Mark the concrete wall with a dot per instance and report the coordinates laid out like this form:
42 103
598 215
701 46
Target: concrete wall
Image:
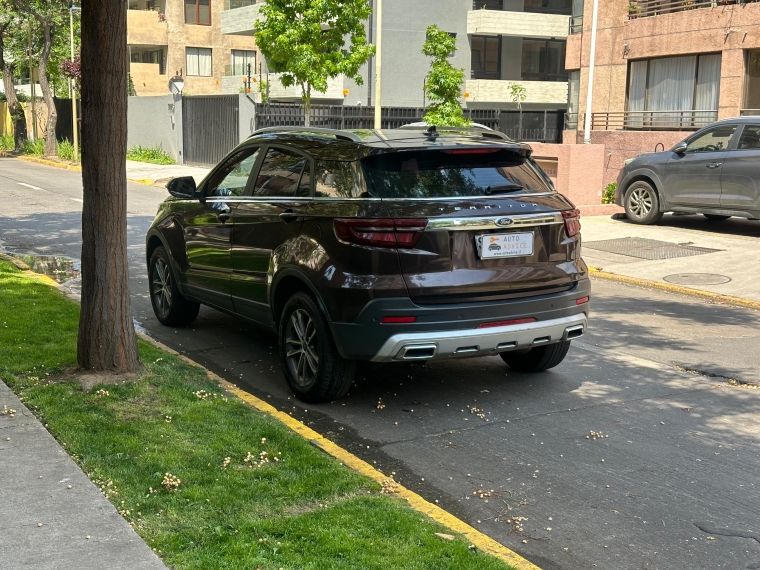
155 121
247 108
519 24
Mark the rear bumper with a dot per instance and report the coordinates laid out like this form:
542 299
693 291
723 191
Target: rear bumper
449 331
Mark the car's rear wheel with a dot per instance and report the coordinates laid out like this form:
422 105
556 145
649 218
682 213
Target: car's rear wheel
538 358
641 203
170 307
313 368
715 217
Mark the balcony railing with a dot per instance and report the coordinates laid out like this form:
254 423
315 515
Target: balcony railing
576 24
687 120
232 4
749 112
646 8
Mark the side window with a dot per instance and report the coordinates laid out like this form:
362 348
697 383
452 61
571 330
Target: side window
281 175
750 139
232 178
336 179
712 140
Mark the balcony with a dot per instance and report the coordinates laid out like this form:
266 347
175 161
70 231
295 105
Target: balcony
293 93
749 112
239 17
519 24
685 120
647 8
146 27
498 91
147 79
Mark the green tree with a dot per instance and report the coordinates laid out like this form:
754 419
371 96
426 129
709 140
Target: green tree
443 85
12 44
310 41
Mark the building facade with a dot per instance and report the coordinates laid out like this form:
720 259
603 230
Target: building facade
664 68
499 43
183 37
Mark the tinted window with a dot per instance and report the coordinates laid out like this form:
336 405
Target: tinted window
336 179
432 174
280 174
750 139
712 140
232 178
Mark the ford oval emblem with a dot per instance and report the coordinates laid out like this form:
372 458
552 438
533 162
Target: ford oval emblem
505 222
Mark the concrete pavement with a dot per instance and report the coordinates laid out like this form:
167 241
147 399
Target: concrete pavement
153 172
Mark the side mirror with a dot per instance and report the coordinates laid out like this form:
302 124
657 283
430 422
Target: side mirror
680 148
182 187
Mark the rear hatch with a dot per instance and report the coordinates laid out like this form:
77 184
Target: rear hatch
494 225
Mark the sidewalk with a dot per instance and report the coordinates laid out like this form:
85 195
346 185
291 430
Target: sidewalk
80 529
732 270
152 172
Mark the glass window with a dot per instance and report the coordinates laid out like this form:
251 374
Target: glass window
280 174
198 61
549 6
335 179
486 5
712 140
434 174
750 139
752 83
544 60
232 178
240 59
198 12
486 57
573 97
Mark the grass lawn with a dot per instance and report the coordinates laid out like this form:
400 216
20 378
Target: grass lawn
252 494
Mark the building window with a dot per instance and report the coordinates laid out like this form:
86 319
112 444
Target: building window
573 98
486 4
576 18
543 60
549 6
198 61
156 56
673 92
486 57
198 12
240 60
752 83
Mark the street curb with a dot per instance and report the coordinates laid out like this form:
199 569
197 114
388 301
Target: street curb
439 515
707 295
55 164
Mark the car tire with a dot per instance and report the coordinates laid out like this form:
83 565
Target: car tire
170 307
538 358
313 368
642 205
715 217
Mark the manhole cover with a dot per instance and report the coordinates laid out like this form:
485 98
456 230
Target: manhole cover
697 279
651 249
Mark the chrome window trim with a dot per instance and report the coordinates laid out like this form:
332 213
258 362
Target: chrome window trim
256 199
489 222
494 197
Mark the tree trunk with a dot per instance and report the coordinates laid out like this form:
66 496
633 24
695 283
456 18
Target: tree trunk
15 109
306 91
51 145
106 332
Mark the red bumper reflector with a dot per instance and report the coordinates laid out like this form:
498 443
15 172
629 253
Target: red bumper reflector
397 320
507 323
581 300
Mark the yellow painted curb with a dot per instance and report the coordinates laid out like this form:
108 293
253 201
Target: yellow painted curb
477 538
27 272
55 164
670 288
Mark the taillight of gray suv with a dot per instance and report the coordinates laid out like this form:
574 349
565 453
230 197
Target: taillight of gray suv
382 246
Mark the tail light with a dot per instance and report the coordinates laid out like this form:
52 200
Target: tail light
572 222
382 232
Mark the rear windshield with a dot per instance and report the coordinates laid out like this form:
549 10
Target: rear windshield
451 173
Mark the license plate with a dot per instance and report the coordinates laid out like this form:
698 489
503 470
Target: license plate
505 245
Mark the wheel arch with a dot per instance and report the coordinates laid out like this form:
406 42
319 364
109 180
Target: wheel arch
288 282
643 176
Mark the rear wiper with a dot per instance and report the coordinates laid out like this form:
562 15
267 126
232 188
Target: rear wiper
503 188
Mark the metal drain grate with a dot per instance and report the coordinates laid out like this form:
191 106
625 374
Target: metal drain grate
647 248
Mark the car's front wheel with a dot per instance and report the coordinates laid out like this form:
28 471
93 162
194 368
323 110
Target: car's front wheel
313 368
538 358
170 307
642 206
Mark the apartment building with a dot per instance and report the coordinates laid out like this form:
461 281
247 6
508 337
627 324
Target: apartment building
168 37
500 42
664 68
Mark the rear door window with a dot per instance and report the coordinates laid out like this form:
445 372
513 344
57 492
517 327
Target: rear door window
336 179
453 173
750 139
282 174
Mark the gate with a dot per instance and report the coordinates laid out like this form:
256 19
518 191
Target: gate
537 126
210 127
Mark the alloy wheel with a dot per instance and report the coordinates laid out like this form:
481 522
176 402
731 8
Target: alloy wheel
640 202
162 286
302 348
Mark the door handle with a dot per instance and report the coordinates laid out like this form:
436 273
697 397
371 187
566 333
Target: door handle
713 164
223 216
289 216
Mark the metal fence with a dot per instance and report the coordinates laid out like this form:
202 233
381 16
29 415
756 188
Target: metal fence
680 120
210 127
646 8
538 126
64 126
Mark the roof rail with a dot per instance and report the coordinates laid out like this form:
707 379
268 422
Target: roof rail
489 133
337 133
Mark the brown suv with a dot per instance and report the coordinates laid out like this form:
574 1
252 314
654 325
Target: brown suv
397 245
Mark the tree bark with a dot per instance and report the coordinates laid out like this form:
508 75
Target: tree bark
15 109
106 331
51 145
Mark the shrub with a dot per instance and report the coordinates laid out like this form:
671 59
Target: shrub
7 142
608 196
154 155
65 150
36 147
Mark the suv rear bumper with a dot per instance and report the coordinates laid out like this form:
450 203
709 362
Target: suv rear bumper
448 331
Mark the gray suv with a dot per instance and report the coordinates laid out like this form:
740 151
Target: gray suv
714 172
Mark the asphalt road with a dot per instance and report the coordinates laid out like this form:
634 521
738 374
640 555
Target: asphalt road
672 483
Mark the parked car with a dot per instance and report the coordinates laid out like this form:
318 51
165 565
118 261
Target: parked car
368 246
714 172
